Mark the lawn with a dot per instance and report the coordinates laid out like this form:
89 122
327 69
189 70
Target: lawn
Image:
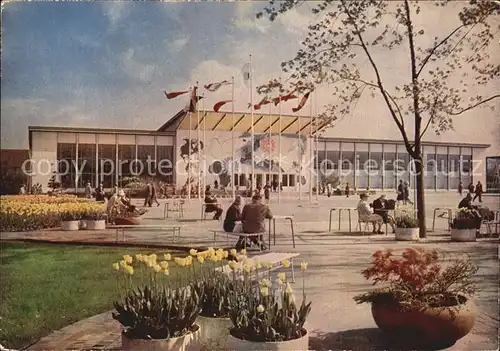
46 287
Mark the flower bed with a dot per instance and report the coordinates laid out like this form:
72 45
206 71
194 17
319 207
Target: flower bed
32 212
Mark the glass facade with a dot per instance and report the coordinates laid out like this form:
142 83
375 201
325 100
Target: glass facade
107 163
493 174
382 165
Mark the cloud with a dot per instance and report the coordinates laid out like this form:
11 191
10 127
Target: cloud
115 11
135 69
178 44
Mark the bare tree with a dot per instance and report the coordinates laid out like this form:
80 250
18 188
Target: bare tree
441 77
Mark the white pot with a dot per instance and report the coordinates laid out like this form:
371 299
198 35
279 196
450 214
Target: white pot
407 234
290 345
463 234
214 332
96 225
182 343
70 225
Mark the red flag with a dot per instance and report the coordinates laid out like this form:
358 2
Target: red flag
218 105
286 97
174 94
302 102
264 101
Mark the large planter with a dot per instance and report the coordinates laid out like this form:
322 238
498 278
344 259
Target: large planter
214 332
182 343
127 220
70 225
407 234
428 328
463 234
290 345
96 225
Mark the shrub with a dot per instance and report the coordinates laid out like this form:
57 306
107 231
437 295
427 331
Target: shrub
418 280
466 219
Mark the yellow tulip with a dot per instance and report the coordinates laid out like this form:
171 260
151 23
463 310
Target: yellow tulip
303 266
193 252
127 259
233 252
139 257
225 254
265 283
167 257
279 282
116 266
164 264
123 264
282 276
129 270
286 263
264 291
157 268
260 309
243 251
166 272
247 268
201 259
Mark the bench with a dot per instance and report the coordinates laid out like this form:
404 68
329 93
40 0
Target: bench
234 234
166 228
177 206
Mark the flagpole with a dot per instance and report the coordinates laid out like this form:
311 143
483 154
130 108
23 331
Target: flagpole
300 152
232 142
252 186
311 145
204 145
270 155
279 148
198 143
316 147
189 147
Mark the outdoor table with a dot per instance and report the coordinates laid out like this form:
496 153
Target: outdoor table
340 209
273 221
450 215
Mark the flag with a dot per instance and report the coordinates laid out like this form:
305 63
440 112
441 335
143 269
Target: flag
218 105
246 71
191 105
264 101
302 102
174 94
286 97
215 86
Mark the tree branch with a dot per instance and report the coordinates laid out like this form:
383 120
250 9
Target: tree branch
431 118
473 106
426 59
377 73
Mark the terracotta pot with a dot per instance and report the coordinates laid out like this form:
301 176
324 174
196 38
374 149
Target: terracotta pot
70 225
463 234
301 343
127 220
430 327
407 234
96 225
182 343
214 332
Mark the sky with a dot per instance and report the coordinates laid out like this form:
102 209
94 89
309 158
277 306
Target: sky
105 64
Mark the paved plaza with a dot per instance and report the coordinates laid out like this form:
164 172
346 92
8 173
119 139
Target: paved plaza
333 278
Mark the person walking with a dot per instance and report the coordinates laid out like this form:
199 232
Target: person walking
479 192
99 193
148 196
347 190
267 191
406 193
400 191
88 191
460 188
471 188
153 195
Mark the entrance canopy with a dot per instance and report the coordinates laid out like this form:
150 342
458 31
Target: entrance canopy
263 123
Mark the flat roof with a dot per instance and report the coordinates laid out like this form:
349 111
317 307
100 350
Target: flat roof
97 130
222 121
400 142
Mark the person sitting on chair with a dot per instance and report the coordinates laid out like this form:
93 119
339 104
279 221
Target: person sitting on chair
365 214
380 207
252 218
211 205
233 215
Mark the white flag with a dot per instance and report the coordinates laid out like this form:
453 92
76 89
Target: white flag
246 71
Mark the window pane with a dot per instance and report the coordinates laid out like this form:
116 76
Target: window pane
430 167
107 167
493 174
165 164
361 165
389 162
442 167
402 166
374 166
86 165
66 160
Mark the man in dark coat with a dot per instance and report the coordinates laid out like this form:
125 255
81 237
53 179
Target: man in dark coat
479 192
380 208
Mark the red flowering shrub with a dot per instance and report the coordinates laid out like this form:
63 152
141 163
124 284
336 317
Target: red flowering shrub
419 279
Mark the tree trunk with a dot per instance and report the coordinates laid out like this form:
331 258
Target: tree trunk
419 165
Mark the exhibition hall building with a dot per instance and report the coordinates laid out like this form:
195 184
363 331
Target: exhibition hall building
233 149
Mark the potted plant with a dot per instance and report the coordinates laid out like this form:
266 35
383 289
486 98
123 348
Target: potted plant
214 287
406 226
96 219
156 313
70 219
266 316
424 304
465 225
